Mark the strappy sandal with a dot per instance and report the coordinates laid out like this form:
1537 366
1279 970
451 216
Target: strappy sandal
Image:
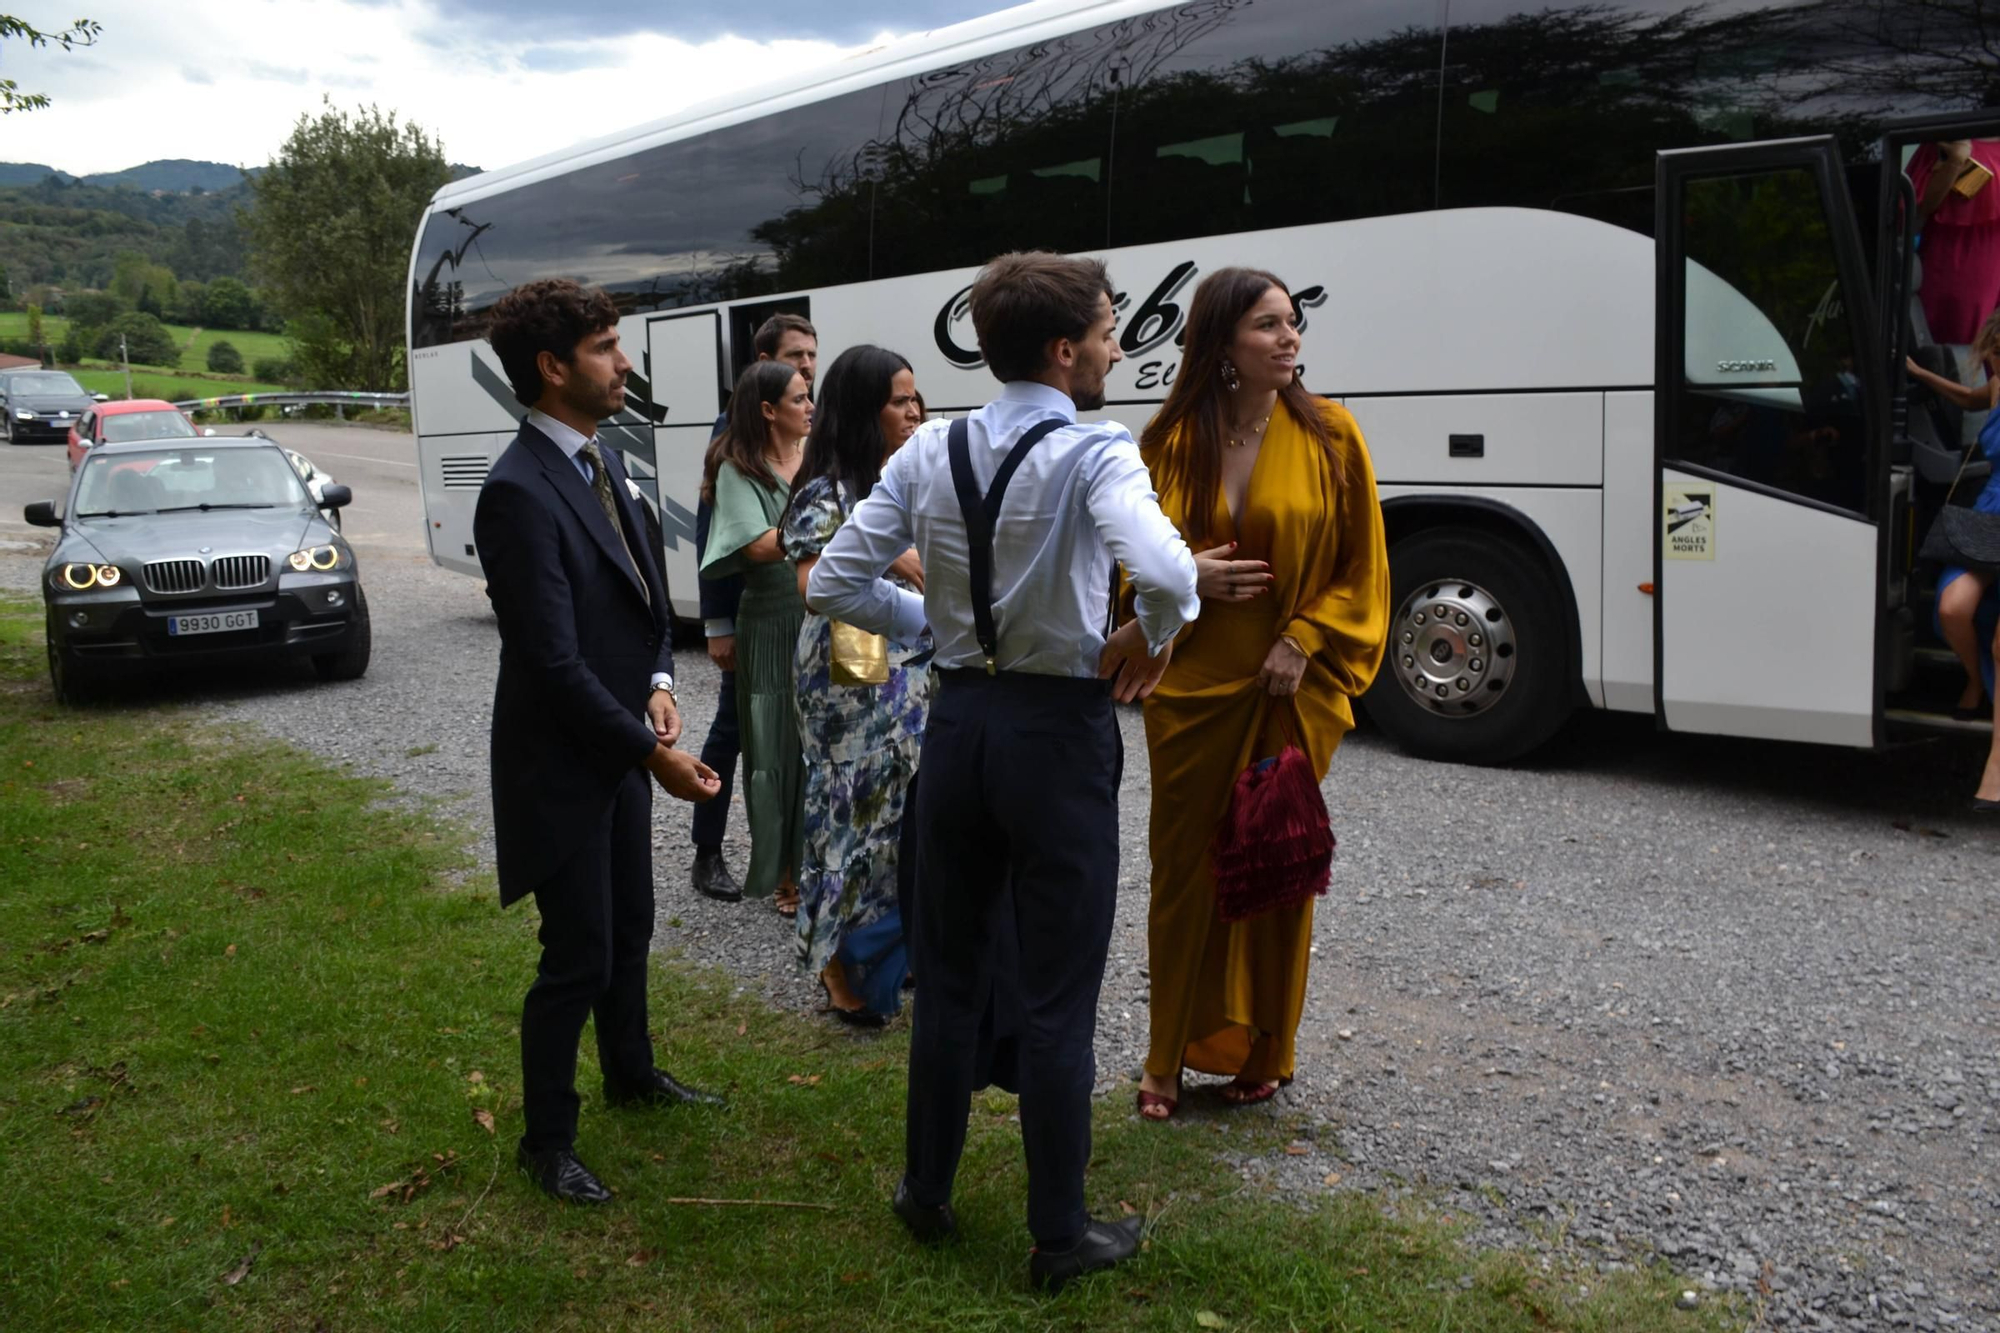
1239 1093
786 901
1149 1100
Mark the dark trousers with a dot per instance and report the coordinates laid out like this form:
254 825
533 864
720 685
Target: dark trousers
597 925
1020 793
719 751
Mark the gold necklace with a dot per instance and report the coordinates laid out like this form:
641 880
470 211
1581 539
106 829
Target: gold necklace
1235 443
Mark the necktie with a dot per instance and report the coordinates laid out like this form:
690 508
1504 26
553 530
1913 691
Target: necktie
600 482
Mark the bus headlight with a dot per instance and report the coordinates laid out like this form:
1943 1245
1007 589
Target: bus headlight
320 559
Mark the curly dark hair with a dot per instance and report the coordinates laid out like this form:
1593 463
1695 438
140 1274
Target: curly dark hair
548 315
1021 302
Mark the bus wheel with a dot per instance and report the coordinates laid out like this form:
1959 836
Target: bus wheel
1477 669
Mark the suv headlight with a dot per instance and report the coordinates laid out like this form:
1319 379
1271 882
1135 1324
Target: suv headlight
320 559
78 577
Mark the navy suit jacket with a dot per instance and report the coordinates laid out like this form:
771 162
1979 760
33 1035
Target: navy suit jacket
578 648
719 597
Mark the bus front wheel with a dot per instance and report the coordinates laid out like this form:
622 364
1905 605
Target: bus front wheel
1477 669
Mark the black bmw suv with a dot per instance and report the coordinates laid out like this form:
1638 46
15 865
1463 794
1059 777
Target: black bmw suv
194 551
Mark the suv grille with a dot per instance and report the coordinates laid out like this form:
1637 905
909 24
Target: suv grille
233 572
175 576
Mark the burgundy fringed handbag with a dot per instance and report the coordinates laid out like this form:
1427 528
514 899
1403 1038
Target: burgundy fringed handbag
1275 845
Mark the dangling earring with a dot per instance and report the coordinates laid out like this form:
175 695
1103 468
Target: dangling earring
1230 379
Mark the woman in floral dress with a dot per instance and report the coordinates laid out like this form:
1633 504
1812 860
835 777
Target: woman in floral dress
860 741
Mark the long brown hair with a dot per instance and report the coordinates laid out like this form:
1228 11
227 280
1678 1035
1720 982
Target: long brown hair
747 435
1188 432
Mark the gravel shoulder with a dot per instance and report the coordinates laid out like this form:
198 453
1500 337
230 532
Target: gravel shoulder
1728 1004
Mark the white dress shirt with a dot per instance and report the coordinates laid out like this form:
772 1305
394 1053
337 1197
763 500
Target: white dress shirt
1080 500
571 444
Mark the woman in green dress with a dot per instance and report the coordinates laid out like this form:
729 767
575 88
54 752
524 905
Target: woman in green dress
748 479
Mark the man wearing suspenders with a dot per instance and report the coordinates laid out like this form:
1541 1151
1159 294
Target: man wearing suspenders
1021 515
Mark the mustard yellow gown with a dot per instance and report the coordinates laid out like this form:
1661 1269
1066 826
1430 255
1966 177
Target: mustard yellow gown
1226 998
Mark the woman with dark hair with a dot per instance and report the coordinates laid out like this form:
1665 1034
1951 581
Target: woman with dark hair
748 480
860 741
1273 487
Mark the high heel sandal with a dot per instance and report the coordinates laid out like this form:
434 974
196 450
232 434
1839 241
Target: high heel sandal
1149 1100
861 1016
1248 1094
785 902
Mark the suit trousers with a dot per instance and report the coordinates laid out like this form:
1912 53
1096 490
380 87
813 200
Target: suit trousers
719 751
1018 854
597 929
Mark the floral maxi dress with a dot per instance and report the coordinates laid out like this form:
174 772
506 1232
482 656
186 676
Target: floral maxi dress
861 745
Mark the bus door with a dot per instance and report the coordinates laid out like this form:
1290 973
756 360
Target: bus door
1769 475
683 369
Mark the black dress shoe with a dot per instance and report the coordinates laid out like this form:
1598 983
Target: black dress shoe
712 879
561 1176
930 1226
659 1088
1103 1244
1981 806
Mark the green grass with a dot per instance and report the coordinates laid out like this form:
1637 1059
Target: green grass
193 342
165 384
246 1009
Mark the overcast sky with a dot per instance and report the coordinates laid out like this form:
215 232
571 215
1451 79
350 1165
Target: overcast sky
497 80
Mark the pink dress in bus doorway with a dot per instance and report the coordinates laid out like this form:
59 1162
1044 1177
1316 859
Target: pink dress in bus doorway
1961 249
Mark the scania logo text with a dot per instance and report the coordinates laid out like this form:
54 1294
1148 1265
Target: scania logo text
1743 367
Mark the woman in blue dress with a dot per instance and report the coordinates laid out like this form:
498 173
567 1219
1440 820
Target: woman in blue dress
860 741
1961 592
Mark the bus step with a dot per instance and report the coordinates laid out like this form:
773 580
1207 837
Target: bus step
1919 719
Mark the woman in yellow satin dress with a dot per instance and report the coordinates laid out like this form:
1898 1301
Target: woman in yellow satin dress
1273 487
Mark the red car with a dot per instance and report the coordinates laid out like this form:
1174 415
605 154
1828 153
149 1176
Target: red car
125 421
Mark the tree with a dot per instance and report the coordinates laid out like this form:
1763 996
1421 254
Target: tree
35 325
94 310
190 303
147 341
144 284
271 370
227 304
224 359
83 32
330 237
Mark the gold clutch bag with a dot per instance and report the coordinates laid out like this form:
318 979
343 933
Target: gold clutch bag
859 658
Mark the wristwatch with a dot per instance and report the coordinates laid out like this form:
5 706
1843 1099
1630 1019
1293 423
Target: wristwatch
668 686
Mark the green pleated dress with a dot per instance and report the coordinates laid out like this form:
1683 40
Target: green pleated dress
771 773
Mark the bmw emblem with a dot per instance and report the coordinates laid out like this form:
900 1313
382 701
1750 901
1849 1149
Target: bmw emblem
206 549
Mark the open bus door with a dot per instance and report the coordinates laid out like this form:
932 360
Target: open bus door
1928 436
1770 477
684 373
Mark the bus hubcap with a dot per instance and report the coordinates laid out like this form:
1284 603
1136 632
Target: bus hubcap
1452 647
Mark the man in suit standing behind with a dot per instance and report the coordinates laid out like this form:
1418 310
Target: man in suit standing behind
793 340
583 710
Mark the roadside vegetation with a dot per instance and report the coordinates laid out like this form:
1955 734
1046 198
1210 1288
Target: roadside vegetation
259 1069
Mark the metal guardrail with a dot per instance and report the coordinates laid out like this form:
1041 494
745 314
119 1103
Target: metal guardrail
332 397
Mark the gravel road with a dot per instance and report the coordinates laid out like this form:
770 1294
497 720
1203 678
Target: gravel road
1725 1003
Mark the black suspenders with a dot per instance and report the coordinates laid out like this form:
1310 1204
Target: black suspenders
979 516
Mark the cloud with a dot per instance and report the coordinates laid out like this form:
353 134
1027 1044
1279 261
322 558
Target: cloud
700 21
497 84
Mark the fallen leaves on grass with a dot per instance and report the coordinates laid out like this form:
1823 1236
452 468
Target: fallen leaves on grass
804 1080
421 1177
242 1269
475 1077
483 1118
1210 1319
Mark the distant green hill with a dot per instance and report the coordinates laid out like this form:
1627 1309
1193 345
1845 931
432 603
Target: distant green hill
25 173
176 174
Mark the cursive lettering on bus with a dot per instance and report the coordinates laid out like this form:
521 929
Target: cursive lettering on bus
956 311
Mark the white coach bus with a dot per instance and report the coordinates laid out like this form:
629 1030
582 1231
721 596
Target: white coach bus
1619 291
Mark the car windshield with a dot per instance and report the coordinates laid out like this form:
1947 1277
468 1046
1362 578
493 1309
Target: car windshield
125 427
171 480
44 384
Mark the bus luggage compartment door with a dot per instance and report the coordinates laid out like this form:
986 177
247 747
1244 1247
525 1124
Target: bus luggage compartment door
1769 472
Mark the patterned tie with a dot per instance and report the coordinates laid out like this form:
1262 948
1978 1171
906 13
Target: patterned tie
600 481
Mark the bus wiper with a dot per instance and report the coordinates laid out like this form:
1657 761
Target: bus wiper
204 507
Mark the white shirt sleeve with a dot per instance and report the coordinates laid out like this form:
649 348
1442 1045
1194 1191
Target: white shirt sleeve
1126 510
847 584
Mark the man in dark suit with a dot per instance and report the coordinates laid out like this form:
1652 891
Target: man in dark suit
584 709
793 340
